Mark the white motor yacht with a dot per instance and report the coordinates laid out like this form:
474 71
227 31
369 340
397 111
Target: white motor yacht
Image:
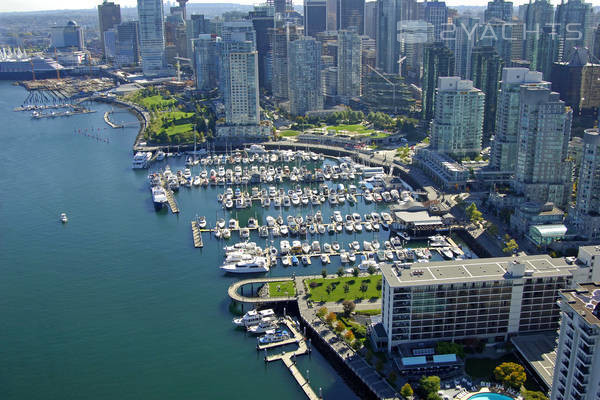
253 317
255 265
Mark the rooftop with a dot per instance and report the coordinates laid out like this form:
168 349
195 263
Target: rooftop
483 269
585 301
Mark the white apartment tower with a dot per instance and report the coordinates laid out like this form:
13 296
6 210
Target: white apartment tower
543 173
457 124
239 74
587 206
577 367
504 148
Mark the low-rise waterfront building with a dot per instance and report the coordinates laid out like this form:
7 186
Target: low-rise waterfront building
489 298
530 213
442 169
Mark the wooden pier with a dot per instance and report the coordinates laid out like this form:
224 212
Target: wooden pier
172 202
198 243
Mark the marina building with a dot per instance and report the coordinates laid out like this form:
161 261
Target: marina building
152 36
491 298
504 147
458 118
543 172
305 76
577 366
587 207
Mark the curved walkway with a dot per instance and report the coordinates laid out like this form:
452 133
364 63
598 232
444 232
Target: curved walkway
234 295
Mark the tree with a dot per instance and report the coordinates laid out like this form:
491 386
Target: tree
510 374
433 396
355 272
511 246
429 384
322 312
473 213
324 273
340 272
349 307
346 288
371 270
331 317
339 327
533 395
450 348
407 391
364 287
349 336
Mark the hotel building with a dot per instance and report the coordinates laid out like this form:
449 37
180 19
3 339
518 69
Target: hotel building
490 298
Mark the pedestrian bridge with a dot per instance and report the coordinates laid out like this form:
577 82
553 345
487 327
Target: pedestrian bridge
234 288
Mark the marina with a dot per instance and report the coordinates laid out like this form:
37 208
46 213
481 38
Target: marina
140 302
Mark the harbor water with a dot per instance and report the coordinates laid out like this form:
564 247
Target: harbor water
117 303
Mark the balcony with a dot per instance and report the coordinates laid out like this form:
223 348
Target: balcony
585 360
580 379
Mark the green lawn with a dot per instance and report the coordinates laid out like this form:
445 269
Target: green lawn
157 101
289 133
183 128
337 292
282 289
355 128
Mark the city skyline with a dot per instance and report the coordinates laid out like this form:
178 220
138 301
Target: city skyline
40 5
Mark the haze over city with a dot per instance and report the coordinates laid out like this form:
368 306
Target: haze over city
41 5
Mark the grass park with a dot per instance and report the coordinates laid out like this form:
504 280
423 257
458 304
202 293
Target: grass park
282 289
344 288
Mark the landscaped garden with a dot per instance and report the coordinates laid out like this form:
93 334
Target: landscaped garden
173 121
344 288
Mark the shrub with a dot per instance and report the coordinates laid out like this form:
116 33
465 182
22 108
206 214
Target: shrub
322 312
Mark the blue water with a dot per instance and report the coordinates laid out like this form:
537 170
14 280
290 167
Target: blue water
116 303
490 396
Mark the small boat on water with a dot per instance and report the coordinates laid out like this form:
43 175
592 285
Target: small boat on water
63 218
159 197
266 324
254 265
306 260
273 336
202 222
325 259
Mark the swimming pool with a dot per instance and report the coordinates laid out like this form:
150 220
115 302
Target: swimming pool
489 396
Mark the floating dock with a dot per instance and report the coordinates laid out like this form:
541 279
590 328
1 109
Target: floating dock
288 358
198 243
171 200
